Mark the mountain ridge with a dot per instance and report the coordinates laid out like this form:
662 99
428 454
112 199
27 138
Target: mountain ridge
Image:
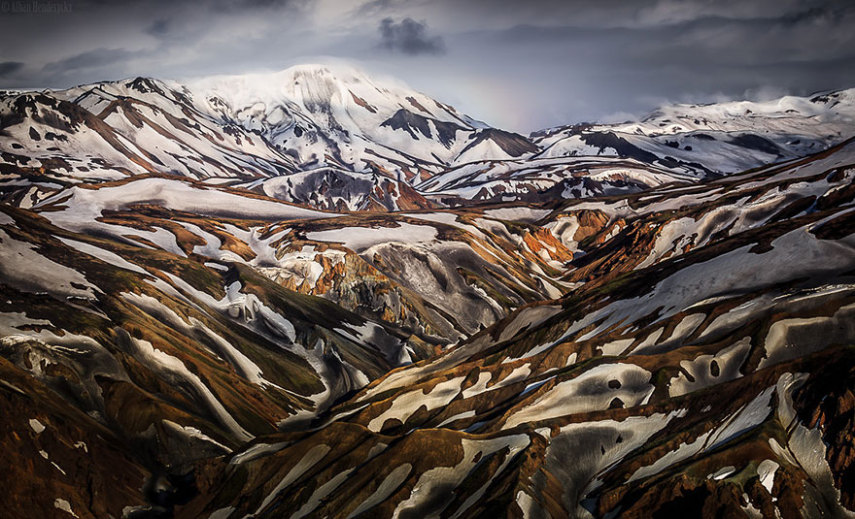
334 129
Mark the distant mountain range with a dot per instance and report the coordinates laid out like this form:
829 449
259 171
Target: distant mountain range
333 138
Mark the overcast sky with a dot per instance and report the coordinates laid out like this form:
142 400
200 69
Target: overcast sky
517 64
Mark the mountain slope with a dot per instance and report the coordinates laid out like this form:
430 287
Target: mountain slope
153 350
685 373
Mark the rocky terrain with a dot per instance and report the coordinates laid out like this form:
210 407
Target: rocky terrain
314 295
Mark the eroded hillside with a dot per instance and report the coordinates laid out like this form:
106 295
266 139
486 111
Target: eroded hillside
313 295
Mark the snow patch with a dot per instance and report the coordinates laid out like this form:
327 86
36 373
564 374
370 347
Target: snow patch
359 239
65 506
36 426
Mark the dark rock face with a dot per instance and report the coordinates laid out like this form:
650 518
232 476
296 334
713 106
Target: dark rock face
755 142
414 124
619 144
513 144
827 402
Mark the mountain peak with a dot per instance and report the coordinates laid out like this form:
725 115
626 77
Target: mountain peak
313 79
337 71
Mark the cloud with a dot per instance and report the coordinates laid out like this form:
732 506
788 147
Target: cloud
158 28
409 37
374 7
388 8
7 68
670 12
814 15
89 60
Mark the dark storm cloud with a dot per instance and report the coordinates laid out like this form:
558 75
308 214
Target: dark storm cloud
409 36
158 28
8 68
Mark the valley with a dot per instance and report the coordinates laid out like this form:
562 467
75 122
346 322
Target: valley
315 294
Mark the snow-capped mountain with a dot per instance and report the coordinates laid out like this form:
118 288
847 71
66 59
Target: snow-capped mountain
717 138
339 116
337 128
334 138
675 144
